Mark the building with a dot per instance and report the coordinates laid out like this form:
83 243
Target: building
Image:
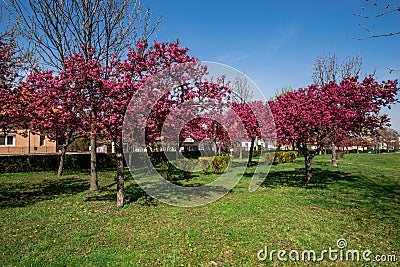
23 142
269 145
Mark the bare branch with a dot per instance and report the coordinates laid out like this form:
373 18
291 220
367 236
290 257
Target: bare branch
327 69
373 35
393 70
242 89
387 11
397 9
56 29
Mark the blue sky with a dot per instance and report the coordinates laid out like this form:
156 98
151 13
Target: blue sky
276 43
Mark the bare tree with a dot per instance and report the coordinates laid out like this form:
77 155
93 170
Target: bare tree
242 89
15 61
389 138
243 95
351 67
9 34
56 29
328 69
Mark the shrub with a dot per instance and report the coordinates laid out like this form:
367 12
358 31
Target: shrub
186 166
215 165
269 157
157 158
191 154
285 156
166 169
220 163
205 164
256 153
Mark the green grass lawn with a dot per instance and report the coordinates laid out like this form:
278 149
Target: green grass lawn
47 221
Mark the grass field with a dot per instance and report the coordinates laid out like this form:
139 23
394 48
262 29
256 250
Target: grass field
47 221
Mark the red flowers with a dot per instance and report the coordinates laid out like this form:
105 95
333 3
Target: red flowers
323 115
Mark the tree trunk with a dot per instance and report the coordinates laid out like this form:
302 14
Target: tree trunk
120 173
240 151
250 161
334 162
62 158
177 151
149 162
93 162
68 141
308 162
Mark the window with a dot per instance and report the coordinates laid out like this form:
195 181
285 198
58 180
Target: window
61 141
42 138
7 140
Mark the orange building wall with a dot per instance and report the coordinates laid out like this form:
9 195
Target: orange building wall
21 145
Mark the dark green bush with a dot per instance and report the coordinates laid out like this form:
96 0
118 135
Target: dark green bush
49 162
157 158
191 154
26 163
256 153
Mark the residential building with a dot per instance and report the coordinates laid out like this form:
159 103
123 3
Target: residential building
25 142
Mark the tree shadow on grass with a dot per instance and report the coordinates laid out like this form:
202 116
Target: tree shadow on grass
378 198
297 178
27 193
133 193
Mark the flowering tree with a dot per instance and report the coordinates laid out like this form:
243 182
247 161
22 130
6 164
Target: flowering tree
126 81
8 75
52 109
84 76
255 122
88 30
354 141
327 69
313 116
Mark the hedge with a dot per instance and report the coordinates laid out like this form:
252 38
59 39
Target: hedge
49 162
208 165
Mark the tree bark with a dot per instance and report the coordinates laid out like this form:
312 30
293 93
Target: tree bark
308 156
68 141
177 152
120 173
334 162
93 162
62 159
149 162
308 164
309 169
250 161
